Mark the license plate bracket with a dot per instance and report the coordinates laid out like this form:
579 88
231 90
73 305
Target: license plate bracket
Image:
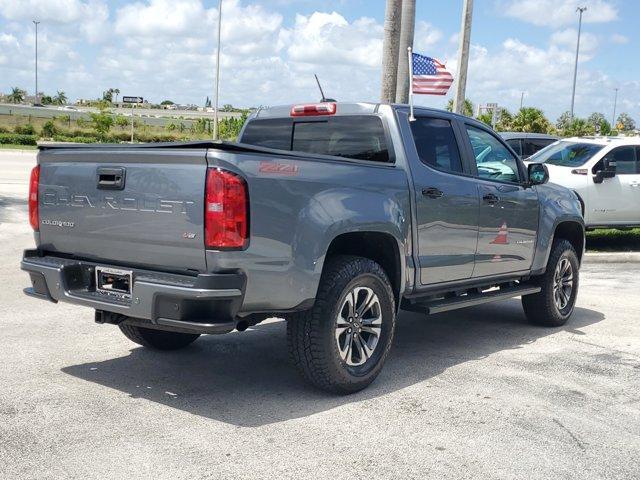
114 281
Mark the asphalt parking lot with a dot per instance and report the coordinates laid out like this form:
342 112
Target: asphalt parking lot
475 393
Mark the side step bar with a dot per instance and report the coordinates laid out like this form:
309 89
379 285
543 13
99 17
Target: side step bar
472 299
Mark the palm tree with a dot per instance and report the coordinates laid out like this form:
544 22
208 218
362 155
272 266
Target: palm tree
530 119
467 110
117 92
60 98
17 95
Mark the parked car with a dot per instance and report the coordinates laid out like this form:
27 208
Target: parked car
604 172
331 215
526 144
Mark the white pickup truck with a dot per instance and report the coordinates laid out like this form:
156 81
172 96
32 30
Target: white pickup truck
605 174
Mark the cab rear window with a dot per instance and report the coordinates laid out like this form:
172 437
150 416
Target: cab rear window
360 137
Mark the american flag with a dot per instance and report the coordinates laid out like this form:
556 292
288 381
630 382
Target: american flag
430 77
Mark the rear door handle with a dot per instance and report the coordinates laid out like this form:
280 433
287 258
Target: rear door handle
110 178
491 199
432 192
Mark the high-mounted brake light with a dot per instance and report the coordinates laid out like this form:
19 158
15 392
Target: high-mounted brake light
226 214
34 181
313 109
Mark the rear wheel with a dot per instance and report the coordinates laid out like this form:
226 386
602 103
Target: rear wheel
341 344
157 339
554 304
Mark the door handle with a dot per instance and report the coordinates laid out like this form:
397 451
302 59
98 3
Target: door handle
491 199
110 178
432 192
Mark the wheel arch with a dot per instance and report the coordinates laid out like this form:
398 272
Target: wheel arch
573 232
381 247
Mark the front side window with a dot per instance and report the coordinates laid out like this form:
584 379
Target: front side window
625 158
567 154
493 159
436 143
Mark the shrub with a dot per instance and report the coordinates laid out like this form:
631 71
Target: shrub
49 129
17 139
65 138
26 129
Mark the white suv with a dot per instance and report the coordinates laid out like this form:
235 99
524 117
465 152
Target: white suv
605 174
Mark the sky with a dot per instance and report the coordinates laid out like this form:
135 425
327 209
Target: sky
165 49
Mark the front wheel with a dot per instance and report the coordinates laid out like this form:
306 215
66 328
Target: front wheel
554 304
342 342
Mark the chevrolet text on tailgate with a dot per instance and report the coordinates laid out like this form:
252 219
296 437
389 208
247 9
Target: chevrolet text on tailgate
333 216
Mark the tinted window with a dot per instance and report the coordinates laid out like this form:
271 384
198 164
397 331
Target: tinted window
533 145
567 154
515 144
493 159
436 143
270 133
358 136
625 158
361 137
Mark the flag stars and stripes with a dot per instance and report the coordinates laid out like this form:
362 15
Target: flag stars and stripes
430 77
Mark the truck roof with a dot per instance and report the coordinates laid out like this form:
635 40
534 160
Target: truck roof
605 140
346 108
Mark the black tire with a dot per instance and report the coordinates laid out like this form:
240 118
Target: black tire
312 335
157 339
542 308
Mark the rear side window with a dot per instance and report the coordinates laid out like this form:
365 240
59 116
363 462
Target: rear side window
436 143
515 144
360 137
533 145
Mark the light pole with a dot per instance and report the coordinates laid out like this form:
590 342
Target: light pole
521 99
36 94
615 104
463 56
215 112
580 11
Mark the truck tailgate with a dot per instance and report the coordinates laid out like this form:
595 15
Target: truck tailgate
138 206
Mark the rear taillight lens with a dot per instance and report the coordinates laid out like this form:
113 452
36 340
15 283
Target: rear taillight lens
226 214
34 181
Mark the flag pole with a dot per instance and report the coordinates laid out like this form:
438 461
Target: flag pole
411 117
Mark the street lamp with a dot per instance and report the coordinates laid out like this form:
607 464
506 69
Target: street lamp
615 104
36 94
580 11
215 113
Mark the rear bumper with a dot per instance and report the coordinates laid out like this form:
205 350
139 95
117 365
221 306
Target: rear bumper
206 303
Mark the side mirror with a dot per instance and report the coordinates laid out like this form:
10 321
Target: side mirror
538 173
608 171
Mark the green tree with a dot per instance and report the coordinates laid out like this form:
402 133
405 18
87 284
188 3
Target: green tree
504 121
486 118
564 121
60 98
167 102
108 95
117 92
101 122
46 99
600 123
467 110
531 120
578 127
17 95
625 122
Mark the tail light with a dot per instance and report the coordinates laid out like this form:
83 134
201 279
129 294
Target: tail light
226 215
313 109
34 181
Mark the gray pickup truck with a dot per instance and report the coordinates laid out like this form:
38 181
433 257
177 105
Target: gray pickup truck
333 216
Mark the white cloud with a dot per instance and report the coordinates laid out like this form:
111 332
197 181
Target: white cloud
567 39
557 13
619 39
425 37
